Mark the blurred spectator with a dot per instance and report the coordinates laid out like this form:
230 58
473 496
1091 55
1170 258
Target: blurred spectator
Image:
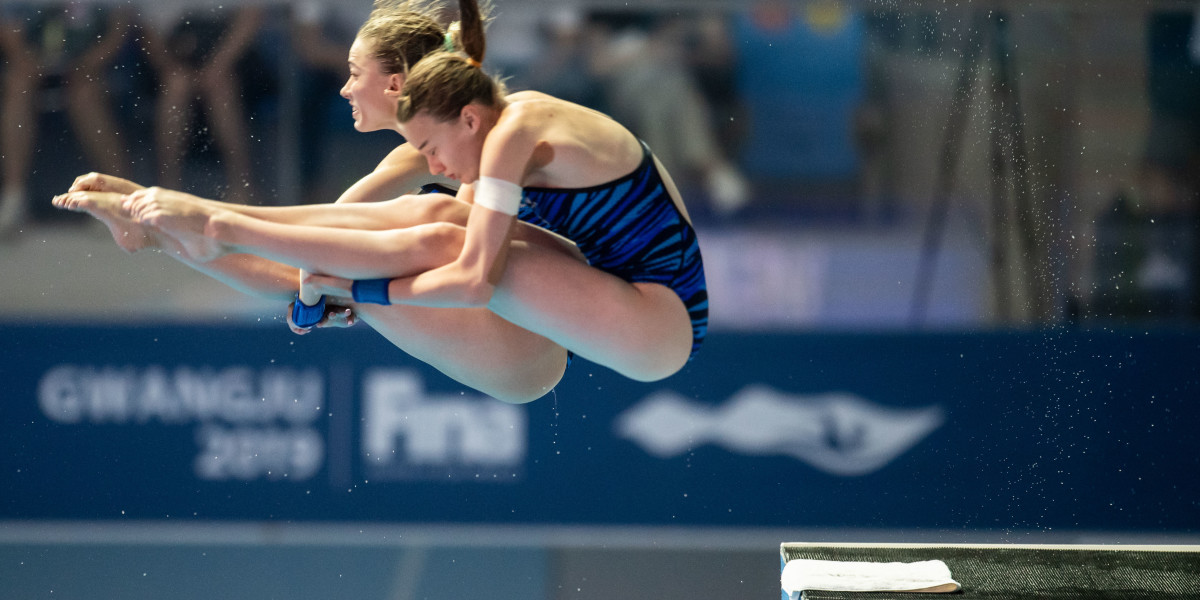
649 86
197 56
802 76
876 115
564 68
1147 247
321 39
1172 158
56 57
714 64
515 39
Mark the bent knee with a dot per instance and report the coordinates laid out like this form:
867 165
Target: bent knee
443 208
521 396
442 239
656 368
425 246
665 343
658 359
654 362
431 208
535 383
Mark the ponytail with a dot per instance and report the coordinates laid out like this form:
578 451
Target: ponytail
442 83
471 35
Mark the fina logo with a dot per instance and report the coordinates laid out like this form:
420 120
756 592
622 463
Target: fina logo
840 434
411 434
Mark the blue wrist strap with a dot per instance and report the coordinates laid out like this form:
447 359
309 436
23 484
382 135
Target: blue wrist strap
371 291
306 316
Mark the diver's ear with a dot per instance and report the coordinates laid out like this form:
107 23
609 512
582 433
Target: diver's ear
395 85
471 117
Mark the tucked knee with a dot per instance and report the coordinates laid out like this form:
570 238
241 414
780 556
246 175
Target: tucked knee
536 379
423 246
657 357
441 208
656 367
445 239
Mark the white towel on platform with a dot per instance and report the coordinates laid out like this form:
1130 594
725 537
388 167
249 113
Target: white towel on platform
849 576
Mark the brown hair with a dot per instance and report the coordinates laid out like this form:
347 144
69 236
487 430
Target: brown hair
402 32
442 83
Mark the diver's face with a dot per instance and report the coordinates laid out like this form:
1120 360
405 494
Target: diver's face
452 148
372 93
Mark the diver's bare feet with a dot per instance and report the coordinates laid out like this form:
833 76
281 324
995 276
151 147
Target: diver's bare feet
106 207
182 216
99 182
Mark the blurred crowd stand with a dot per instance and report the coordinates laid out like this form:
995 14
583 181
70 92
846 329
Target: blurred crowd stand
1148 241
55 60
200 59
770 114
651 85
320 36
667 76
174 93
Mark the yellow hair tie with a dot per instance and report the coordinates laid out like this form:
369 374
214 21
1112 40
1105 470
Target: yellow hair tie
474 63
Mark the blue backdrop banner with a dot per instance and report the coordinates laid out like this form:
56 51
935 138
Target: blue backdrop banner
1037 429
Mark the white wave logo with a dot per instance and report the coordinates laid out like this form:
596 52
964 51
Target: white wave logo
837 433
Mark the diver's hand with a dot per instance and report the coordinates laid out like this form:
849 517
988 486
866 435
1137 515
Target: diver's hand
335 316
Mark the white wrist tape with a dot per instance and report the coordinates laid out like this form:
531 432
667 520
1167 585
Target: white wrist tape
498 195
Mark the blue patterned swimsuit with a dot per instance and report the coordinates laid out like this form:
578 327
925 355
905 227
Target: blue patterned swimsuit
630 228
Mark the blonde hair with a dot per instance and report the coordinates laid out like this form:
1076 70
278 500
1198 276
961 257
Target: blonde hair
442 83
402 32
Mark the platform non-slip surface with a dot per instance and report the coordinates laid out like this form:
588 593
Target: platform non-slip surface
1035 572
